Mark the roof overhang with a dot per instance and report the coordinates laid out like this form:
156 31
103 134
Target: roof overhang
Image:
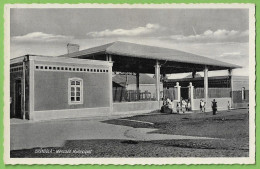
129 57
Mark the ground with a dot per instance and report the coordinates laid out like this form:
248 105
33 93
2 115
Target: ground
151 135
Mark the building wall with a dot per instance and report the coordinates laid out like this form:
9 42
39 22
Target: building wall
222 103
51 89
136 107
239 82
145 87
17 72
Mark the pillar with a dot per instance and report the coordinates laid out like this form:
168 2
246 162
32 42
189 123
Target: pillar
157 83
137 85
31 87
110 71
108 58
23 90
206 84
110 89
230 74
178 91
191 95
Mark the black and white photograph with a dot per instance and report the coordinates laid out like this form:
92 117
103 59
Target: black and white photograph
130 84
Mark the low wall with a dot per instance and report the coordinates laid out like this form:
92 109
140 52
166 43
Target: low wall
240 105
222 103
70 113
136 107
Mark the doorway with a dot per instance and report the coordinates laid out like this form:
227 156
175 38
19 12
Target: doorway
18 100
185 93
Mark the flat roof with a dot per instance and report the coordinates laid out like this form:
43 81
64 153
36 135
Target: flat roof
170 59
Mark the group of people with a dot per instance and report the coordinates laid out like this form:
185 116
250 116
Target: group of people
213 106
185 105
182 106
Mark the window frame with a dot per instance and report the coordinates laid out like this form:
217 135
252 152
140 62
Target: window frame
75 86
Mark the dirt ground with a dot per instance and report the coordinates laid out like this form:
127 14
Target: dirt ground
230 130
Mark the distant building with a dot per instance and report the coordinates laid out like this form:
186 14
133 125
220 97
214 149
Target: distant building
128 82
239 85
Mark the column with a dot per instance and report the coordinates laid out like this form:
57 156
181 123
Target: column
23 91
110 89
206 86
230 74
157 83
191 95
178 91
31 88
137 85
108 58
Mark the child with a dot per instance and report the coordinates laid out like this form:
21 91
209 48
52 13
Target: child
228 104
202 106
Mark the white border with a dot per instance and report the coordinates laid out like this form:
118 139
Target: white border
133 161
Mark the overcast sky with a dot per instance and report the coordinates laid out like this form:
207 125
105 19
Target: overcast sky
216 33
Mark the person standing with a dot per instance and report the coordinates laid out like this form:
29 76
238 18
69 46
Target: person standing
228 104
170 105
214 106
202 106
183 105
178 107
188 105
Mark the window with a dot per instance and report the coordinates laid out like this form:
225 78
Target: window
75 91
243 93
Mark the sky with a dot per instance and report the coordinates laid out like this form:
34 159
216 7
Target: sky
220 34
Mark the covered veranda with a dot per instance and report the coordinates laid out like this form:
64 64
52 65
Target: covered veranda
137 59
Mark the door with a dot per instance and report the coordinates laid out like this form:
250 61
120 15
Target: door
18 99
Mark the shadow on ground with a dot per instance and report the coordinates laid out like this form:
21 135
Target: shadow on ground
132 148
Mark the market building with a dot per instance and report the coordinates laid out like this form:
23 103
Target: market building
79 83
